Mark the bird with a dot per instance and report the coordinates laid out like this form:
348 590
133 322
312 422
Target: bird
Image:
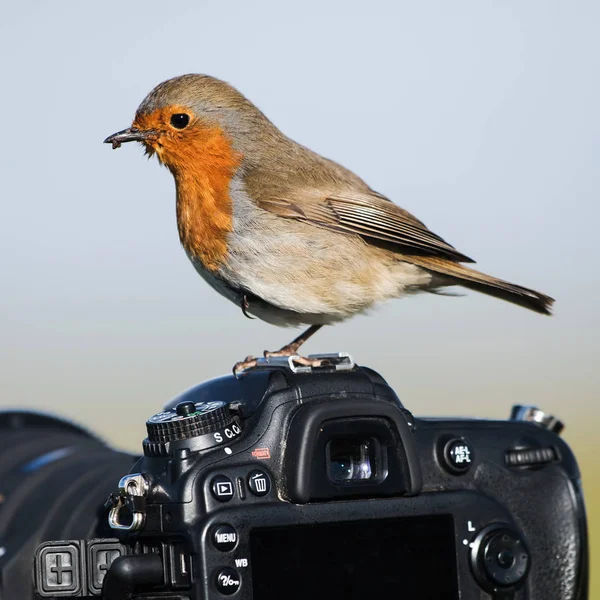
291 237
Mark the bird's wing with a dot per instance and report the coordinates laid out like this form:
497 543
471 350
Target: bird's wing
365 213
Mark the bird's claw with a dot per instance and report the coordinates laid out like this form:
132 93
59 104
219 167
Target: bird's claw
300 360
310 362
250 361
245 306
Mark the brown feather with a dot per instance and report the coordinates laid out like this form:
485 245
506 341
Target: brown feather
356 212
480 282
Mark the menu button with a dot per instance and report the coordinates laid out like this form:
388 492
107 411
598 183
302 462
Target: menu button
225 538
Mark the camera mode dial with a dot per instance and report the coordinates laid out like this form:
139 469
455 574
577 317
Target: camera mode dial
191 425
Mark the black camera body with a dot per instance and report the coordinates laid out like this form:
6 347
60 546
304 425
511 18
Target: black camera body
318 483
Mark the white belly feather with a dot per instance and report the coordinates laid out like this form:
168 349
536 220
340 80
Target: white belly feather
304 274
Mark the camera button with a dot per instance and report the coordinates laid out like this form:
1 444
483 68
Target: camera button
225 538
505 558
499 558
222 488
458 455
259 482
228 581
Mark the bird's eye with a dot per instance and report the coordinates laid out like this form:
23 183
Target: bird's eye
180 120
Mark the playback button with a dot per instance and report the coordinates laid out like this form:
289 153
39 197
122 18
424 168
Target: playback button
228 581
221 488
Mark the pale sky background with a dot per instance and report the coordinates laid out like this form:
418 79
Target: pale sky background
479 117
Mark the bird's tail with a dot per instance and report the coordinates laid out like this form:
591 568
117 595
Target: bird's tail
457 274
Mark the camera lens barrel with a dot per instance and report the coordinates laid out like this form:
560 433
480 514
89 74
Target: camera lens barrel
55 478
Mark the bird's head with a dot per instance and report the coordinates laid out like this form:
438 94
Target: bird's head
195 118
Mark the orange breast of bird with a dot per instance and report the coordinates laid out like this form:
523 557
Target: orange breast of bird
203 164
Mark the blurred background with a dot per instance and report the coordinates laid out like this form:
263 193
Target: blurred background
479 117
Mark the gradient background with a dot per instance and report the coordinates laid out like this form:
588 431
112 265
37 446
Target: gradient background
480 117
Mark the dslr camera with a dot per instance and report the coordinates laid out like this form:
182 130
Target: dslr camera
297 483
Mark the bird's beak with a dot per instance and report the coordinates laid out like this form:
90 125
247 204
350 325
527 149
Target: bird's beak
129 135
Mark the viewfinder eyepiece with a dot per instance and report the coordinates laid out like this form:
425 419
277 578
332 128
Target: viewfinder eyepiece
351 459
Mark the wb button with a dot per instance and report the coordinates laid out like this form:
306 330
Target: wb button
228 581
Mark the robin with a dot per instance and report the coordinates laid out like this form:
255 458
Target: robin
291 237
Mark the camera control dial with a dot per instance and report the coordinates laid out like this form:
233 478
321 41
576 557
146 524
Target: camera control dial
191 425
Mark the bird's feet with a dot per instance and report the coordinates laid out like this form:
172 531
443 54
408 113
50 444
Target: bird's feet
251 361
289 350
248 363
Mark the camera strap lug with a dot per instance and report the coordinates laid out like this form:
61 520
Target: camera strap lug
333 361
133 491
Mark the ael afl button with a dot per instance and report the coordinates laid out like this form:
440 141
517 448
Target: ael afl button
225 538
228 581
457 456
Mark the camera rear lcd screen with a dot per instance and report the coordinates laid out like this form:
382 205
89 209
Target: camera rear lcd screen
409 557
